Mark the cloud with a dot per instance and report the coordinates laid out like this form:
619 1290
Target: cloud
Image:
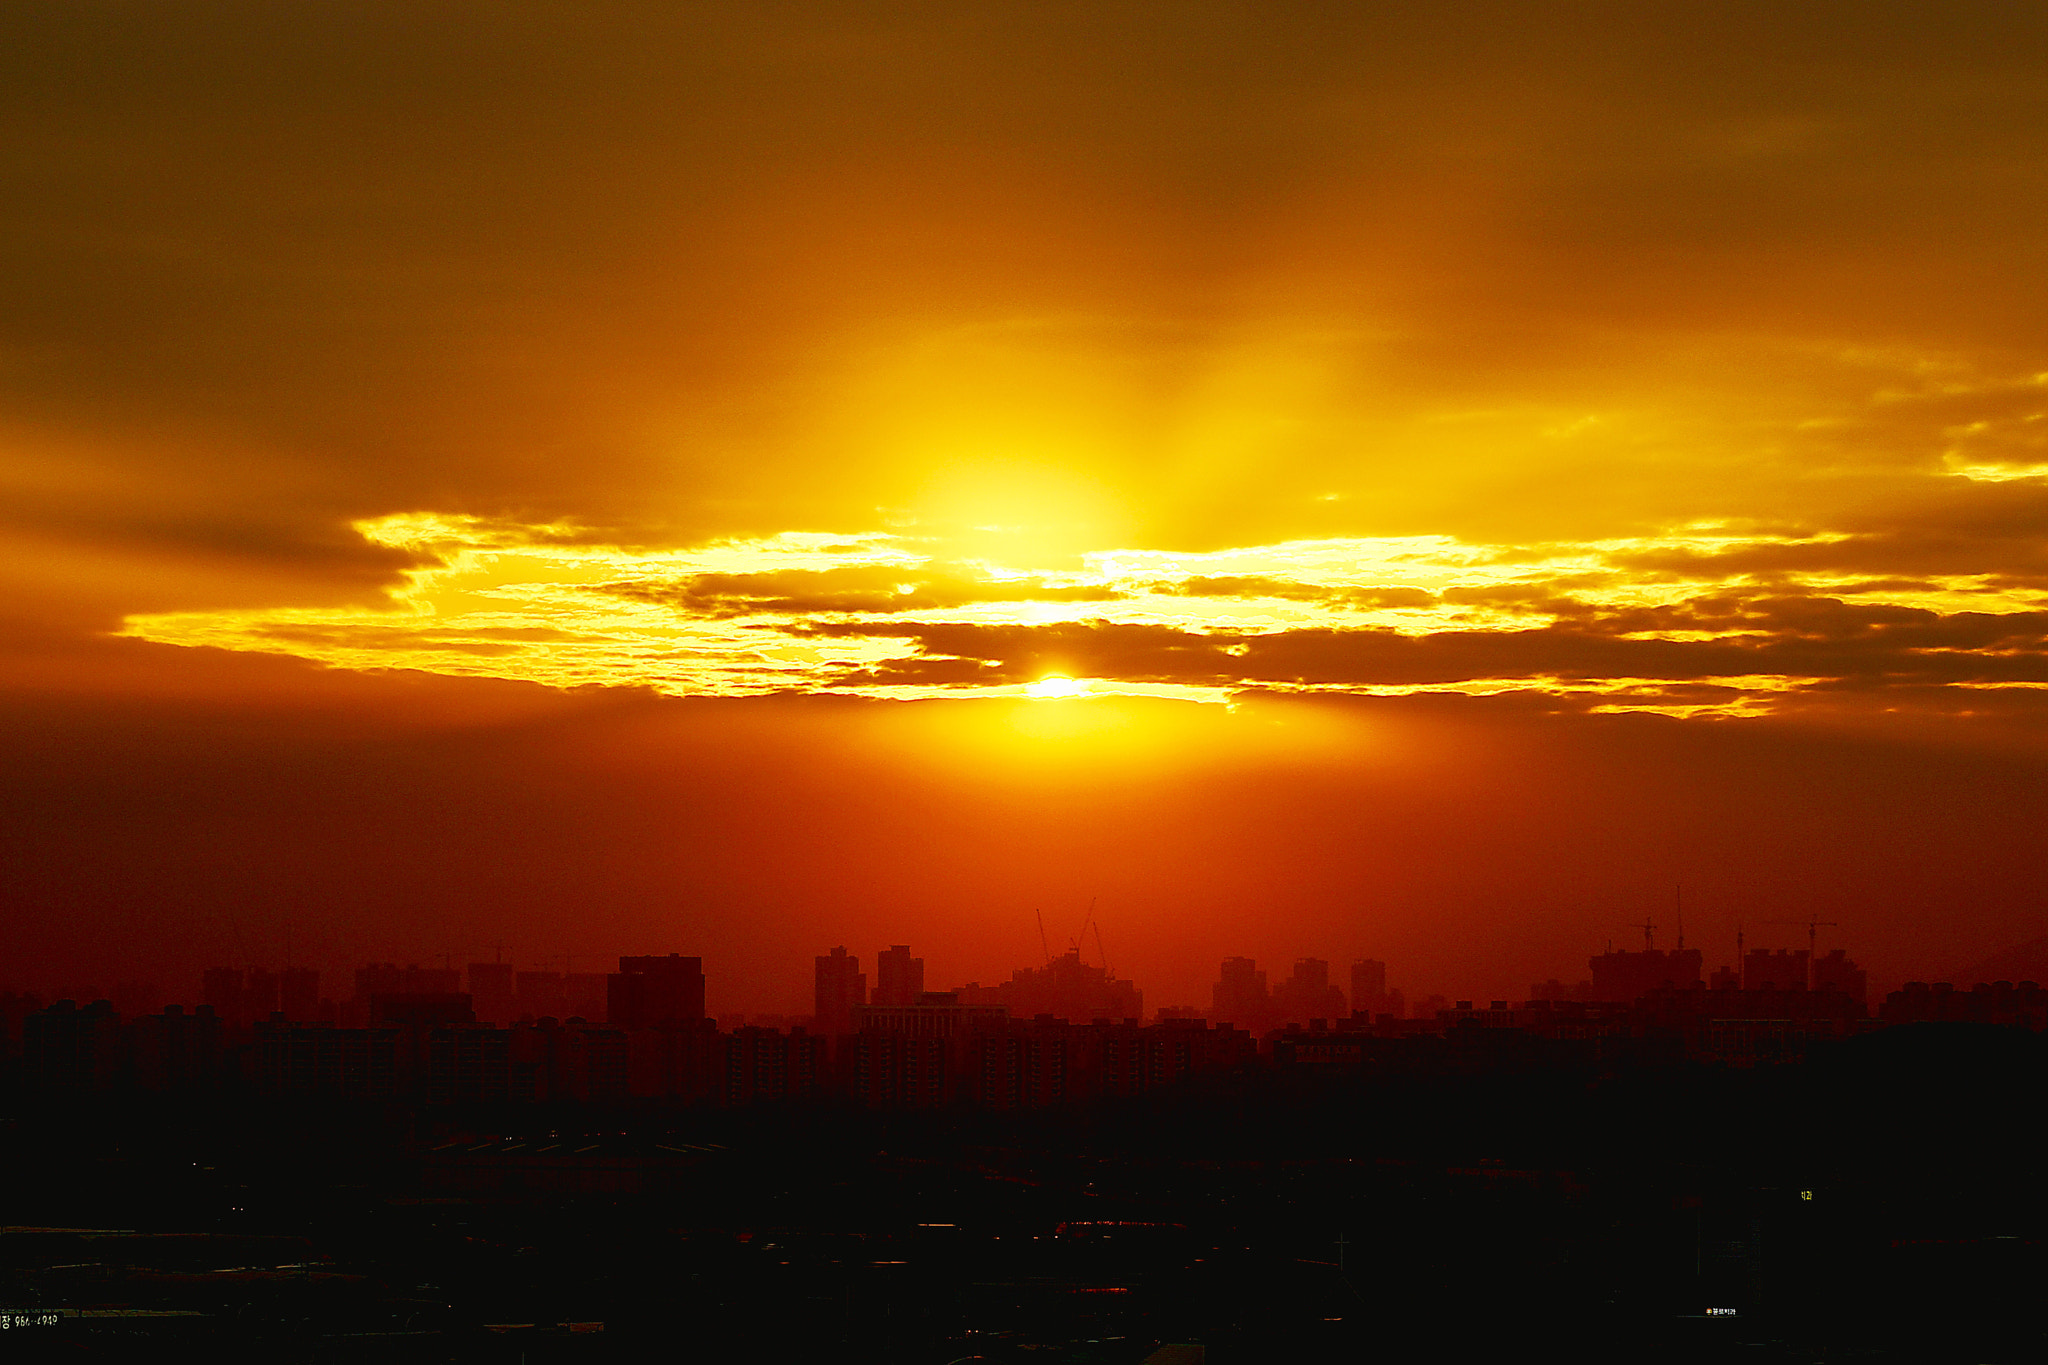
867 589
1688 621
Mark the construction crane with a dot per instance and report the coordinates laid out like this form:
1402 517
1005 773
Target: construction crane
1044 943
1648 929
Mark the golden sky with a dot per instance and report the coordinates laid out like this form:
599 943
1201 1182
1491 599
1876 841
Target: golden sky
1324 366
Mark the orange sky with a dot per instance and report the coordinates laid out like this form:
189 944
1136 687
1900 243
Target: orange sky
1414 481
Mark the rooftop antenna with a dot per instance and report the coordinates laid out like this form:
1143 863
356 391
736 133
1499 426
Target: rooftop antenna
1044 943
1678 910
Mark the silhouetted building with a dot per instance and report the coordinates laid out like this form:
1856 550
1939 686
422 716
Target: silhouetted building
315 1061
298 994
765 1064
888 1070
1745 1027
1033 1065
1835 972
220 990
899 977
1468 1014
476 1065
261 992
587 995
1119 1059
1369 993
420 1009
66 1047
576 1061
493 992
175 1051
1999 1002
1239 996
133 999
385 978
937 1014
539 995
1629 976
1307 993
656 992
840 988
1065 988
15 1008
1324 1048
1133 1061
1576 1020
1781 969
236 997
917 1055
562 995
684 1062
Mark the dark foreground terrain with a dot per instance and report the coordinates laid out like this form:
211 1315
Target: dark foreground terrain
1881 1202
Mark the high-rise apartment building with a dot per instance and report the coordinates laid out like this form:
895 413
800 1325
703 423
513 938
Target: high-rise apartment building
1627 976
841 988
1835 972
1308 994
298 994
1239 995
386 978
1065 988
899 977
1775 969
647 992
259 994
1369 993
221 990
492 990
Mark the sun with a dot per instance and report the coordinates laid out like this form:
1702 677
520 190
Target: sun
1055 687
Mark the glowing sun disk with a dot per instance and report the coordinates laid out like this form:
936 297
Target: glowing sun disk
1056 687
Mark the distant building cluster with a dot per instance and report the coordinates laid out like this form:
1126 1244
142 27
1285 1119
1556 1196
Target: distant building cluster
1059 1033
